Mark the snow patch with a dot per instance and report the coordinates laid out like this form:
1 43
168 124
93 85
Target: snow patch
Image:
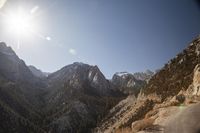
121 73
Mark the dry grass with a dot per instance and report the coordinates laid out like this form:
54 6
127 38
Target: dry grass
123 130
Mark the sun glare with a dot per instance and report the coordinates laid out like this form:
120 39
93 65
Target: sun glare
19 23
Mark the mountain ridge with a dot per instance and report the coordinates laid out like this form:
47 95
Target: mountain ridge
78 97
41 102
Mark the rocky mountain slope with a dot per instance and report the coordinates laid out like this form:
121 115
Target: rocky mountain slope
19 94
79 96
38 73
82 91
70 100
169 92
79 99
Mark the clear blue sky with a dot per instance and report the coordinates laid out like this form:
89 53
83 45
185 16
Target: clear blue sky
116 35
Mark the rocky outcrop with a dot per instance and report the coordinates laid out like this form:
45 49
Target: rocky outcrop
186 121
142 124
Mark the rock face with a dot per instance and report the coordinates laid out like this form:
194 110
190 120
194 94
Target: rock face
77 75
186 121
130 83
167 93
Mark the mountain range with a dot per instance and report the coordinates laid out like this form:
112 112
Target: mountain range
72 99
79 99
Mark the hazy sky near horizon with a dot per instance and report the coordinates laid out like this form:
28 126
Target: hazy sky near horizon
116 35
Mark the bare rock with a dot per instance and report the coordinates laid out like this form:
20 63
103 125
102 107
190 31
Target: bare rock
187 121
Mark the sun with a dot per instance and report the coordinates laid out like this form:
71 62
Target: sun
19 23
22 24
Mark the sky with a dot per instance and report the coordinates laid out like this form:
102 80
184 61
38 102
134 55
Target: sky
115 35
